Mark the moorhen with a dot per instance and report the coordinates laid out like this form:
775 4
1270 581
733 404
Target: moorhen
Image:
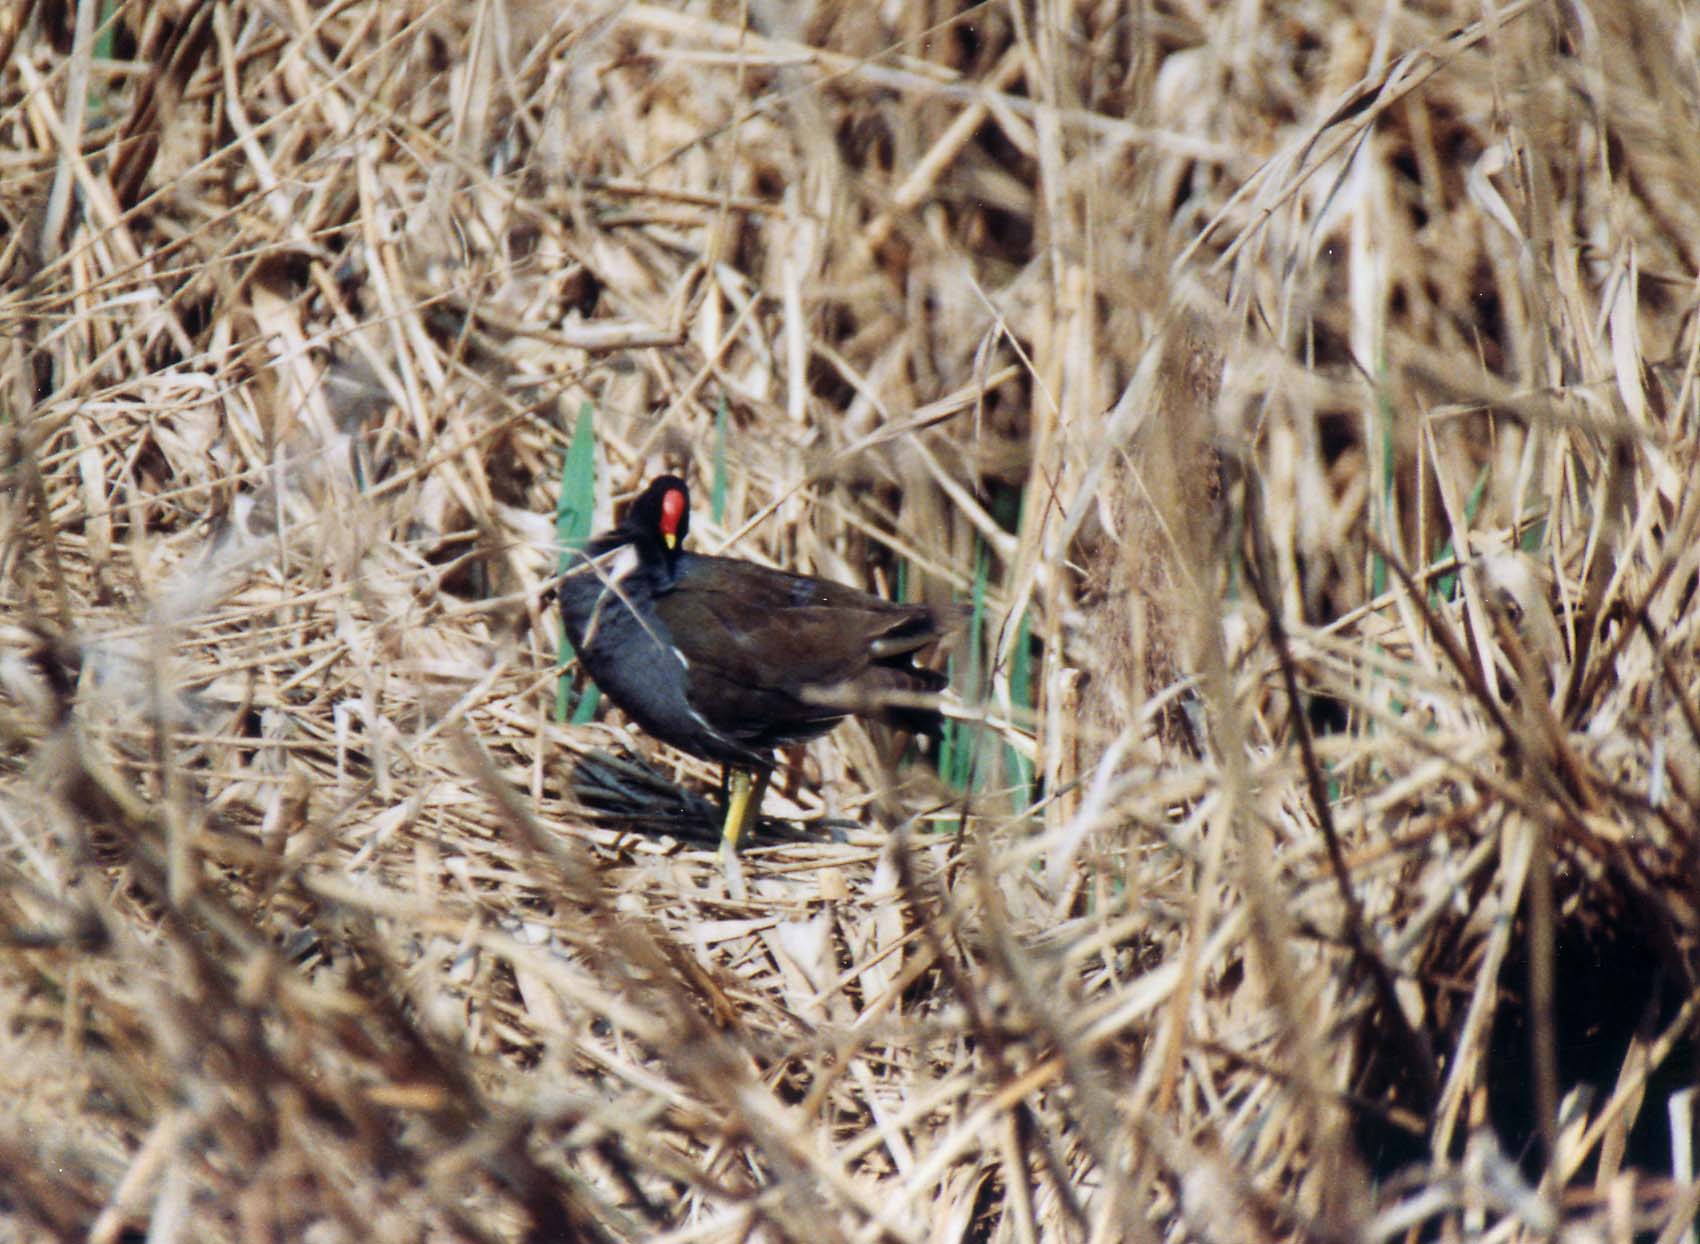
728 660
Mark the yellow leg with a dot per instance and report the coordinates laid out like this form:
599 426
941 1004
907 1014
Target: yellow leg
744 790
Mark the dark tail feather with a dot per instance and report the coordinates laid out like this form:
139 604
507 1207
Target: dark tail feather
897 695
909 680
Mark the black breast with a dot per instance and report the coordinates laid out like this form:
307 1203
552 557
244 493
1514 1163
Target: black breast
628 651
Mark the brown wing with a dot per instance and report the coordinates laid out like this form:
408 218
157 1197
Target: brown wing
774 657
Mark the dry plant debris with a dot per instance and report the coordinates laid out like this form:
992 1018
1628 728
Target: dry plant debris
1305 393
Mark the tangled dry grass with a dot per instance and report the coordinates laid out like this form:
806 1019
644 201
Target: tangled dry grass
1317 381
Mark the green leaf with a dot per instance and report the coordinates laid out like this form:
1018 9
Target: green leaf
717 488
1021 697
1445 588
574 512
1382 514
959 749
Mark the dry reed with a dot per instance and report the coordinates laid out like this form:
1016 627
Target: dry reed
1317 381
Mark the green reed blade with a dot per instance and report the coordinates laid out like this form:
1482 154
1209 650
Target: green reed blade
574 513
717 488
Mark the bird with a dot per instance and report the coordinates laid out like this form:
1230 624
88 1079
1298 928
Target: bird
728 660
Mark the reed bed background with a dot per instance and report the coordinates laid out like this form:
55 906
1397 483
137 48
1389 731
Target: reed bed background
1298 399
